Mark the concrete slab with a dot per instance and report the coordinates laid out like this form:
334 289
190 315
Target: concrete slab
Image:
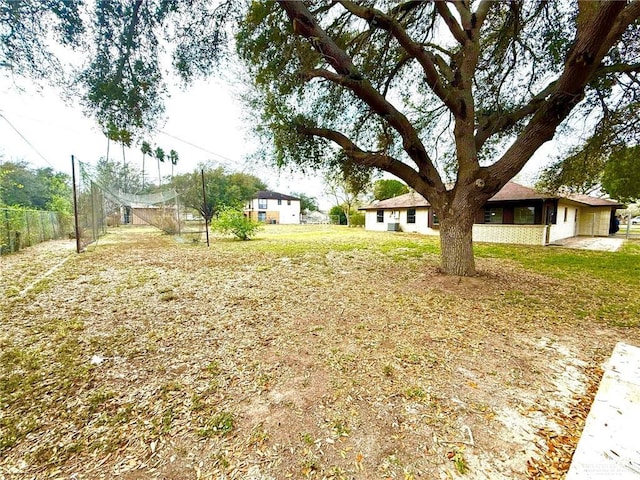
607 244
609 447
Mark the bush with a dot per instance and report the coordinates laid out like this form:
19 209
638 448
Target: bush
337 215
231 221
356 219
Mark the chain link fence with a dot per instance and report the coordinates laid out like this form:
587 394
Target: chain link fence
20 228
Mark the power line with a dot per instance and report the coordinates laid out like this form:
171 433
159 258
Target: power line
26 141
227 159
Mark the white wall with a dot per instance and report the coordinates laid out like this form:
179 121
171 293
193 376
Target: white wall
284 213
564 228
289 214
590 221
400 216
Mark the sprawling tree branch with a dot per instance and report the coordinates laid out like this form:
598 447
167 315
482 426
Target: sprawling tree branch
490 71
629 15
586 54
378 19
127 41
481 14
500 121
618 68
450 20
380 160
305 25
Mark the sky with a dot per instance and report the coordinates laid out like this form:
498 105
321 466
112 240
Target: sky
204 123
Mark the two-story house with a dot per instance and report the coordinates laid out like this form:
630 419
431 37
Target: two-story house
273 207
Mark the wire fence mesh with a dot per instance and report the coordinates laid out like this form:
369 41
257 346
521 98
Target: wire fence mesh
20 228
102 203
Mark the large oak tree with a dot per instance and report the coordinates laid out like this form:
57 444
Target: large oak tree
452 97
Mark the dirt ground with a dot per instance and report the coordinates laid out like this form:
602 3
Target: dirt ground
147 358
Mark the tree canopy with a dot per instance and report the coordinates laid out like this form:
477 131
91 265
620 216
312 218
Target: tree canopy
596 168
123 48
222 189
117 176
307 203
388 188
621 176
453 98
39 189
580 172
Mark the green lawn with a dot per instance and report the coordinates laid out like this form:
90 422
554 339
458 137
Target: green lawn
309 352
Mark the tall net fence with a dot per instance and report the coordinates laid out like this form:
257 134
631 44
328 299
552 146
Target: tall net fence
20 228
101 203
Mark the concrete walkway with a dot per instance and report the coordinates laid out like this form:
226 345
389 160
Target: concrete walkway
606 244
609 447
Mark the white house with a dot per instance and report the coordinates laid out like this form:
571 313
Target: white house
273 207
516 214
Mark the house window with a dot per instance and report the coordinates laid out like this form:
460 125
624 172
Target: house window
262 203
566 210
524 215
262 216
436 220
411 215
279 202
380 216
288 202
493 215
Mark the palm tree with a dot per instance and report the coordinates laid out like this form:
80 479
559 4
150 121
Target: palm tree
124 136
160 155
112 133
146 150
173 156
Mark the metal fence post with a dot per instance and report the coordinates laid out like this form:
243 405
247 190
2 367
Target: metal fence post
75 202
6 218
26 219
42 230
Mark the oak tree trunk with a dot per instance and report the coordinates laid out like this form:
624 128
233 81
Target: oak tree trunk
456 247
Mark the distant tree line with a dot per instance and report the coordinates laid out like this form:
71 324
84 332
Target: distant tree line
351 191
34 188
596 168
222 189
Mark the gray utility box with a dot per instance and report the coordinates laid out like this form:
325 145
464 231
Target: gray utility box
393 227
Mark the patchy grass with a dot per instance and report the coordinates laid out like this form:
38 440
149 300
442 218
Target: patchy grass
311 351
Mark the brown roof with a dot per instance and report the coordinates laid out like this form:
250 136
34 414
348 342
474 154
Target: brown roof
510 192
594 201
408 200
514 191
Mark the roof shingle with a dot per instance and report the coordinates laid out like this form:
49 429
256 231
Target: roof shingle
269 195
510 192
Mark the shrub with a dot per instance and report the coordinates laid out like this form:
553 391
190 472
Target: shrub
356 219
232 221
337 215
